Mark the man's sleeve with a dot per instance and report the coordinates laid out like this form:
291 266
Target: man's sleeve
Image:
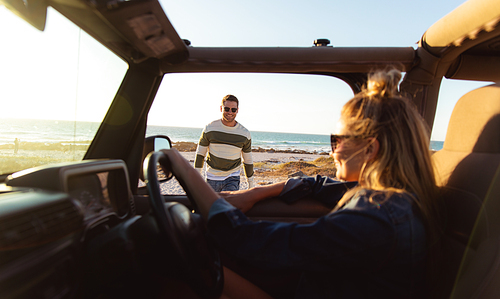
246 153
201 152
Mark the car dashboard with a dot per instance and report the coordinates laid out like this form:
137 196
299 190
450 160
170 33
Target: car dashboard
99 187
68 229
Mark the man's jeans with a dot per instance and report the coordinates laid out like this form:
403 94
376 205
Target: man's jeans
232 183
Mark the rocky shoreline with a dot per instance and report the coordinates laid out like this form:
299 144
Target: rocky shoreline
184 146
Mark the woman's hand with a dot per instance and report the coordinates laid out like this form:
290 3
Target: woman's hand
177 163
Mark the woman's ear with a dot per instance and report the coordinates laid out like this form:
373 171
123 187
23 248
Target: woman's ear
372 149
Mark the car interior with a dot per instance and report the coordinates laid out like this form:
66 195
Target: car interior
467 172
87 229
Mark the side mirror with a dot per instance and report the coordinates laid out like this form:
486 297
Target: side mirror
153 144
156 143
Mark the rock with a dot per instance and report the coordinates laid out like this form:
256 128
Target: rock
183 146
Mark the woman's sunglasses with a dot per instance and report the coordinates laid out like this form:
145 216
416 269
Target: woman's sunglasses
232 109
335 139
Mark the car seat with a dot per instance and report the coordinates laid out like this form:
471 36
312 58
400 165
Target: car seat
467 171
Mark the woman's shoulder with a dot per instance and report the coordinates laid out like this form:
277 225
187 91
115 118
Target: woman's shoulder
395 204
384 196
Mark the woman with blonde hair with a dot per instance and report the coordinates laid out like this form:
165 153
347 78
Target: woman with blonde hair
379 119
375 241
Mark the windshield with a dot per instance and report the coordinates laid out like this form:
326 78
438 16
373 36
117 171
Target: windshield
288 115
56 87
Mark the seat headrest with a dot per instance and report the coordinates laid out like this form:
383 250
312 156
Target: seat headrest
475 122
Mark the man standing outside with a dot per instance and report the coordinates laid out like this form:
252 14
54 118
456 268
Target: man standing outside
226 141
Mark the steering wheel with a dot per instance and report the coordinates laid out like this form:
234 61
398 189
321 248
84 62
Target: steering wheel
199 260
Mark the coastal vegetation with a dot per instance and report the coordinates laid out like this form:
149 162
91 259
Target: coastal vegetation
33 154
57 146
10 164
321 166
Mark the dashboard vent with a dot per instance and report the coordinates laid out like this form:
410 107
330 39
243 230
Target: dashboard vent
34 218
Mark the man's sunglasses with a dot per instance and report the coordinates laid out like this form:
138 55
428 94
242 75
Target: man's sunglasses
232 109
335 140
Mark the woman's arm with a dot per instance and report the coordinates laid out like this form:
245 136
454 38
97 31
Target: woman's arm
200 192
204 196
245 199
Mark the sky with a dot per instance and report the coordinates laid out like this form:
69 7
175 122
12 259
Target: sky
278 103
298 24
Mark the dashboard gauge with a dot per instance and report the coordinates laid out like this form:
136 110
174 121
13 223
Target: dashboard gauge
91 191
100 187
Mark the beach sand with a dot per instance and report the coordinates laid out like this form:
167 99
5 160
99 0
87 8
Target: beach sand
264 163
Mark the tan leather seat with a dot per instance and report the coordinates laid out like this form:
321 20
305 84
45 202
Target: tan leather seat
466 171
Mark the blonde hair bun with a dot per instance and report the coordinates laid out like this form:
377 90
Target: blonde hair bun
383 83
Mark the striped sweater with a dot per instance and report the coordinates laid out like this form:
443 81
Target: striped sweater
226 146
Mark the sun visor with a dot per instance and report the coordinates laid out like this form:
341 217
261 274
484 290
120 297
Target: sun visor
136 30
148 29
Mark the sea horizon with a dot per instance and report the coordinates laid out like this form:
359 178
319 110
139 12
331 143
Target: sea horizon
80 132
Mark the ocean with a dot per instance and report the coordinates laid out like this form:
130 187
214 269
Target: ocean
265 140
46 131
50 131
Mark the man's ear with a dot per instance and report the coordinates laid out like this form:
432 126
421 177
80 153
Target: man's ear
221 109
372 149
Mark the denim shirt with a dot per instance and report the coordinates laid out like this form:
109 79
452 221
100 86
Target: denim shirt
372 247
